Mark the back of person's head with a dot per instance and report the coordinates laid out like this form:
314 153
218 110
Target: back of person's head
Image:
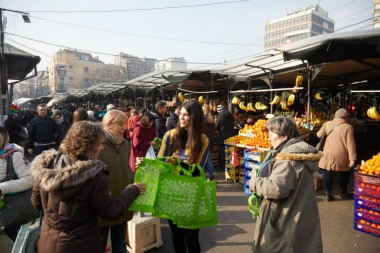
342 113
81 139
90 115
159 105
146 118
4 137
283 126
79 115
114 116
110 107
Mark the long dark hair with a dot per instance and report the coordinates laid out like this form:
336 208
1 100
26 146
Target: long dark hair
193 142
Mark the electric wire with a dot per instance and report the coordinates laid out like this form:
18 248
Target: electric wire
342 6
146 9
353 24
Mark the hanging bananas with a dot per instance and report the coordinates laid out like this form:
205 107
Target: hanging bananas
299 80
283 106
235 100
260 106
201 100
318 96
181 97
242 106
250 107
291 99
373 114
275 100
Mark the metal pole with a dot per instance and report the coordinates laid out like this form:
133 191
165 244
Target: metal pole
2 68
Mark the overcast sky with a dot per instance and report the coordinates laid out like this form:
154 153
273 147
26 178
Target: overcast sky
213 33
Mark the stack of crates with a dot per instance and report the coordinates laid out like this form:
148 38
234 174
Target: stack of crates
232 172
367 204
252 161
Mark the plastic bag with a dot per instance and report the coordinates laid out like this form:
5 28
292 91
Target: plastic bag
150 153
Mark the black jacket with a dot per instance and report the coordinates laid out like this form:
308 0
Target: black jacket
225 126
172 121
160 122
14 129
43 130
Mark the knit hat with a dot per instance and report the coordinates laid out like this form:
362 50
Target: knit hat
57 112
219 108
341 113
110 107
90 114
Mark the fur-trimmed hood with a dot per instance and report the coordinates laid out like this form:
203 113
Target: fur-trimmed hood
298 150
65 174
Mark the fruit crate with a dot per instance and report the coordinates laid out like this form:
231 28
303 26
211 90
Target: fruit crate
367 227
368 215
254 156
367 202
247 191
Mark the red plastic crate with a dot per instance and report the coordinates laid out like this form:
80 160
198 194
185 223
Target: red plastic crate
367 227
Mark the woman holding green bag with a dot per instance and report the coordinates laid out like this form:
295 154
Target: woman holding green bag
188 143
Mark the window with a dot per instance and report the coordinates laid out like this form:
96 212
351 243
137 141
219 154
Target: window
86 70
71 80
71 68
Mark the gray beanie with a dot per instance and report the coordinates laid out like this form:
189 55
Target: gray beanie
341 113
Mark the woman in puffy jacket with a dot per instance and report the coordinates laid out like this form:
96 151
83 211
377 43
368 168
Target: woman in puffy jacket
72 189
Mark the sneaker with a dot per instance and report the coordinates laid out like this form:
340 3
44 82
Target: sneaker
211 178
329 197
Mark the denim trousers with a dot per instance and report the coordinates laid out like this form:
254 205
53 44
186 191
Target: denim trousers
209 167
118 233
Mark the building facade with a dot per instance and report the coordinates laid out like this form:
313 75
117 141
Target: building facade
376 14
175 63
134 66
297 25
71 69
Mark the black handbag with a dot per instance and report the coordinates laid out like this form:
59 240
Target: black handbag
18 208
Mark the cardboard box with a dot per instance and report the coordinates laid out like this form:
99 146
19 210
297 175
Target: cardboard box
144 233
318 184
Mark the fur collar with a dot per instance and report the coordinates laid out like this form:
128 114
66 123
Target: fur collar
66 176
299 156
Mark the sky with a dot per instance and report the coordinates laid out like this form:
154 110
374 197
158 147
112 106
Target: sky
217 33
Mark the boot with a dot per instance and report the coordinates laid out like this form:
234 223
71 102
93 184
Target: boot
344 194
329 197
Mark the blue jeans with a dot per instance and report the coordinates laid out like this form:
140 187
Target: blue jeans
118 233
209 167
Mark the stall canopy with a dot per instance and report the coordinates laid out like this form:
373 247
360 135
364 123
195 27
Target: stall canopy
19 62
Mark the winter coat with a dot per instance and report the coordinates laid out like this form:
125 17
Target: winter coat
42 130
225 126
210 130
141 141
289 217
14 130
22 169
117 161
160 122
72 195
340 147
172 121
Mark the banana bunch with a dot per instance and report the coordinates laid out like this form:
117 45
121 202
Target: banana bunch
299 80
243 107
291 99
275 100
201 100
250 107
284 107
235 100
181 97
260 106
318 96
372 113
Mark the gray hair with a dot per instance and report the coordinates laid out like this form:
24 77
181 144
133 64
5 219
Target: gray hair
283 126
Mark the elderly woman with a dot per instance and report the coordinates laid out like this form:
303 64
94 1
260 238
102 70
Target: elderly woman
24 180
72 189
116 156
339 153
289 217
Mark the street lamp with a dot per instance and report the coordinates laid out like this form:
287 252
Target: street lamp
3 77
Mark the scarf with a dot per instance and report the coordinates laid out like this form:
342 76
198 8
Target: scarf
115 140
7 150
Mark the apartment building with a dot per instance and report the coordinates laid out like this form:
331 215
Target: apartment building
175 63
297 25
376 14
134 65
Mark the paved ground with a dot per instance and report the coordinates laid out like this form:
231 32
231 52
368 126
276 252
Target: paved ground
236 227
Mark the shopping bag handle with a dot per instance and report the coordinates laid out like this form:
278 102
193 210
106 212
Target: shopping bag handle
254 209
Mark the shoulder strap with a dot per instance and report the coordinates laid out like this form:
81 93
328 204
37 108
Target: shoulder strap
334 127
10 173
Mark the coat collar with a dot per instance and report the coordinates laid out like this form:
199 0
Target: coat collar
65 175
